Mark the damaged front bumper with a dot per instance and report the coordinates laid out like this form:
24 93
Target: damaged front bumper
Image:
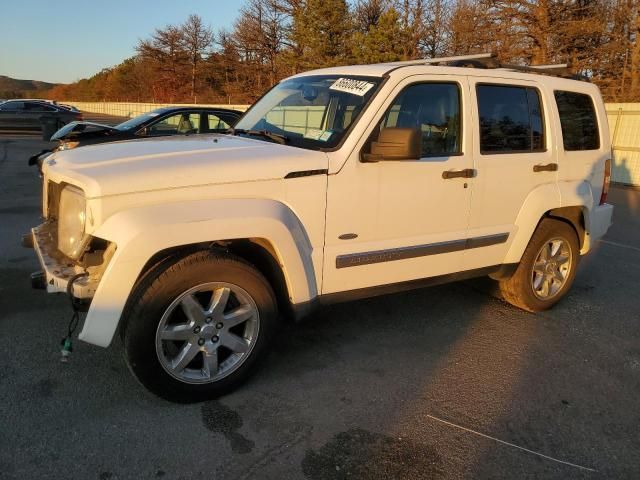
58 270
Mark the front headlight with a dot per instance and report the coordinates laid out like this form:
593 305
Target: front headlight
71 222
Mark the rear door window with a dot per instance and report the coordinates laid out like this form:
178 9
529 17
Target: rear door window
511 119
191 125
578 121
215 123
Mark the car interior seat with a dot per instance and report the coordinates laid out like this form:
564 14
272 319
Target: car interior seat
185 125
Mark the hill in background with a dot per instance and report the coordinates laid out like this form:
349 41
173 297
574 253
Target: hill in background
15 88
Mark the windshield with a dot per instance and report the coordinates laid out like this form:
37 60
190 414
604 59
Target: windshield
140 119
310 112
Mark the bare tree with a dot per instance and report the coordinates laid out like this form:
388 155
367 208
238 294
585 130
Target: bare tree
634 38
467 29
196 41
412 13
261 31
436 19
165 51
367 13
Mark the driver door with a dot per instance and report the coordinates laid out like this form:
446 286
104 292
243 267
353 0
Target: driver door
390 222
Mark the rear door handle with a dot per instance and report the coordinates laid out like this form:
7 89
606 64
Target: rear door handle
549 167
466 173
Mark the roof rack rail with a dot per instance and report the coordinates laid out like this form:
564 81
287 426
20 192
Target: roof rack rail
481 57
558 70
431 61
490 60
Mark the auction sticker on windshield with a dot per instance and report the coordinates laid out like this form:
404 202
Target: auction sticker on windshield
315 134
352 86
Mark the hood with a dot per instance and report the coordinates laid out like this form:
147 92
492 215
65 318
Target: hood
174 162
78 130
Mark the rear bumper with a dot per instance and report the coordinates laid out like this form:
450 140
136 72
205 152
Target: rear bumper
598 223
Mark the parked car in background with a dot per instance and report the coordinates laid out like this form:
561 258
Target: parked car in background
35 115
157 123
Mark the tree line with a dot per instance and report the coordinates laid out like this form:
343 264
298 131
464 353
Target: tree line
272 39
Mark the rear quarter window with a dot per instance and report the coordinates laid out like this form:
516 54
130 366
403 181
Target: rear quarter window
578 121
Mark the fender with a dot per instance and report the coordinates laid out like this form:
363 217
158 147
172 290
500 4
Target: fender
140 233
580 194
539 201
576 194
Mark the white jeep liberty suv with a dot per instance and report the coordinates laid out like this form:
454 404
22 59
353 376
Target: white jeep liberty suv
338 183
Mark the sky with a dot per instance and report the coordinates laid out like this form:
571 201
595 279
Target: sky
62 41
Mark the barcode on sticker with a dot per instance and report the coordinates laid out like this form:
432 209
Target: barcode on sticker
352 86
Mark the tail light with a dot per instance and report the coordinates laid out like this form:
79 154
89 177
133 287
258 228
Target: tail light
606 182
80 118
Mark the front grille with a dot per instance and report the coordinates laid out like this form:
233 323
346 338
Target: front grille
53 200
43 191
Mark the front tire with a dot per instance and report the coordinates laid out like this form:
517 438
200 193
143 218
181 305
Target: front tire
198 325
547 268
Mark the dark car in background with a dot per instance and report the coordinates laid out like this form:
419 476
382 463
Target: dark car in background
157 123
35 116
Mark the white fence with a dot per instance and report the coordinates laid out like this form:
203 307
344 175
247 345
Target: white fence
126 109
624 126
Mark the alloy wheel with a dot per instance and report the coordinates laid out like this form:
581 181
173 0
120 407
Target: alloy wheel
207 332
551 268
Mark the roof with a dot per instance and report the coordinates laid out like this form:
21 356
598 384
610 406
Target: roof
179 108
381 70
42 100
483 64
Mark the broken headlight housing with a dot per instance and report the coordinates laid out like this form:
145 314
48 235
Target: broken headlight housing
71 222
67 145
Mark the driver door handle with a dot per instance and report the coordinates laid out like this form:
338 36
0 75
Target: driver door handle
466 173
549 167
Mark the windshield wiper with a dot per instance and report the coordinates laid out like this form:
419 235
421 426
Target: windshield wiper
276 137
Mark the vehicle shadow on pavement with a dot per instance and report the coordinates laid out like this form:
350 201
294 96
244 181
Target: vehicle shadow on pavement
356 367
389 368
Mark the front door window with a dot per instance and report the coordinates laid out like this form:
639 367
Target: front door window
180 123
434 109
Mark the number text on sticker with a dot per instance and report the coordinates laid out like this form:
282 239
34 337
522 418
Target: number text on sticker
350 85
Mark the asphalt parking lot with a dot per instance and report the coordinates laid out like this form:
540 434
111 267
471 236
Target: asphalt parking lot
447 382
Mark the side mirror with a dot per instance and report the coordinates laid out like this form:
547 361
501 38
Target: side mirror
143 132
395 144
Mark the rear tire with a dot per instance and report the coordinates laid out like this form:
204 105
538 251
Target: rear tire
197 326
547 268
